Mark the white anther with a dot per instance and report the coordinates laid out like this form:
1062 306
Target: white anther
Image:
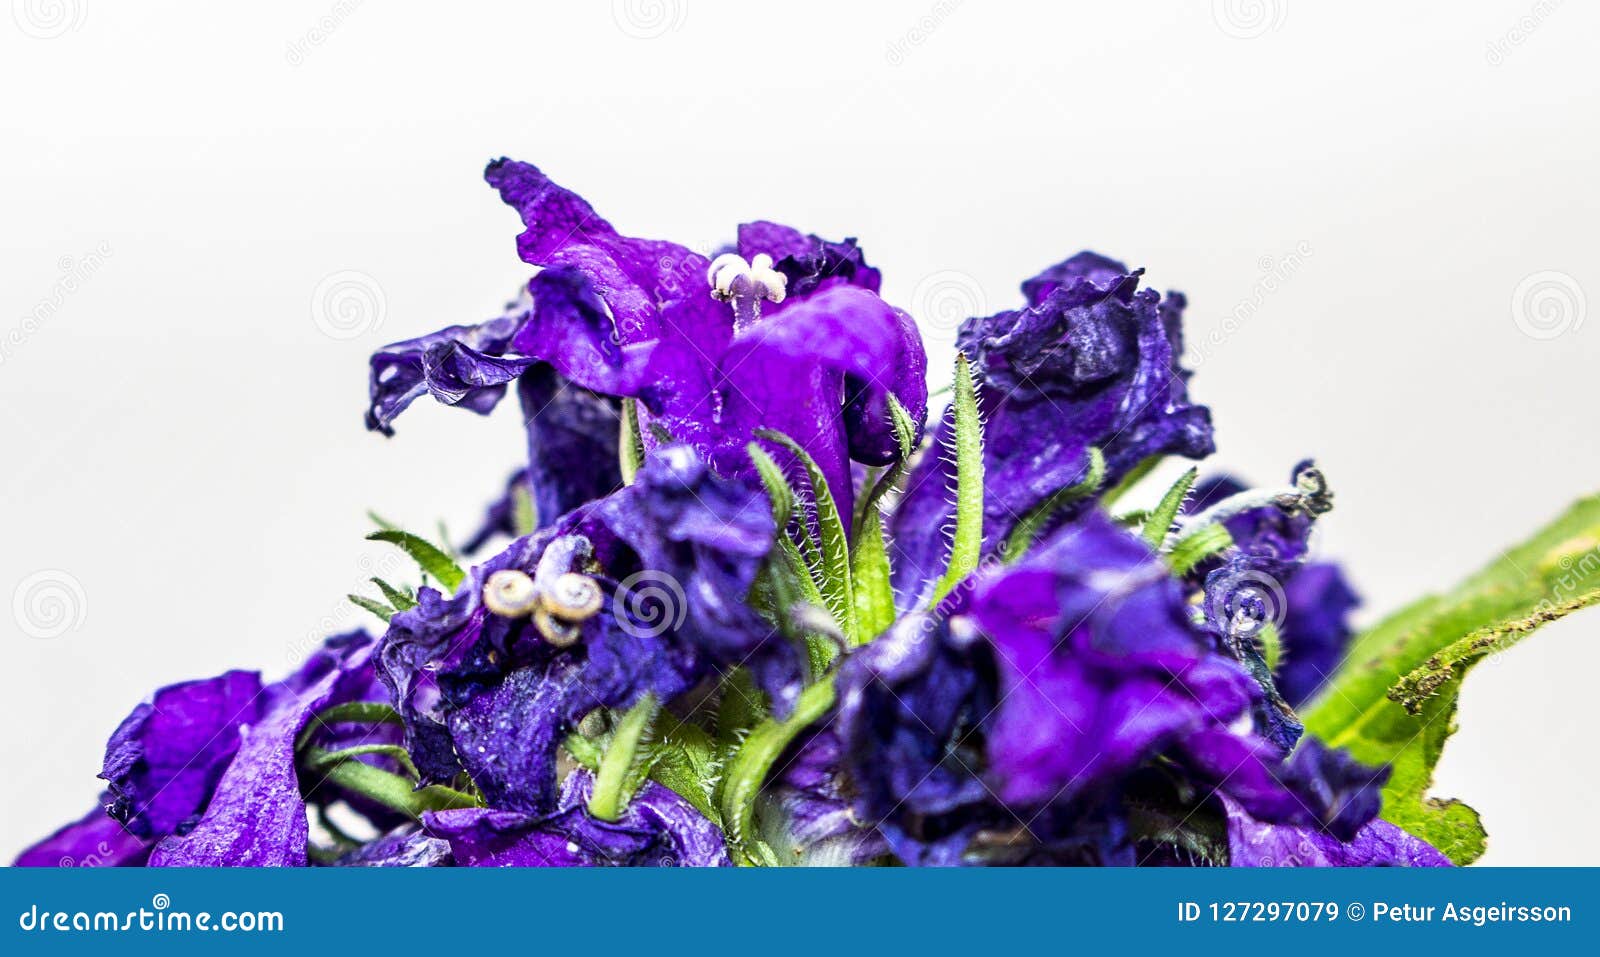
745 284
510 593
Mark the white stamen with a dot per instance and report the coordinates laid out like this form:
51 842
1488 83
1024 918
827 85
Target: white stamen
745 284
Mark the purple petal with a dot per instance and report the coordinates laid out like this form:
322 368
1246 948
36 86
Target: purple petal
1379 844
164 760
657 828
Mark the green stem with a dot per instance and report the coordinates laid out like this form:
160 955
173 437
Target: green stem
390 790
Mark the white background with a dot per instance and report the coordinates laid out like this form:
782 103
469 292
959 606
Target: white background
181 442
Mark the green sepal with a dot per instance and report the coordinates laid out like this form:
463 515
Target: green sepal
1394 700
524 514
1166 511
620 769
630 444
748 769
1027 529
835 580
779 491
686 762
873 590
584 751
432 559
743 706
905 434
1197 546
966 545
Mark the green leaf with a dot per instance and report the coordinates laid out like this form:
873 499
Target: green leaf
1166 511
835 583
967 543
401 600
630 446
874 593
1394 700
376 607
1038 517
749 767
620 765
1197 546
433 560
686 762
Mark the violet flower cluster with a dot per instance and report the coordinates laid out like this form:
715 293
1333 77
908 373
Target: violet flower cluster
737 607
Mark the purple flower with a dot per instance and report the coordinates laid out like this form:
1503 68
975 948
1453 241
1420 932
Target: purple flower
909 707
493 694
1025 720
671 559
162 763
657 829
633 317
1092 361
1099 666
